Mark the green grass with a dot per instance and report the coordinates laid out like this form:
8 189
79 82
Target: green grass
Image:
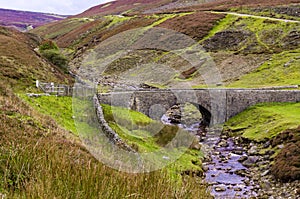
136 129
59 108
282 69
163 18
123 114
115 20
147 135
264 121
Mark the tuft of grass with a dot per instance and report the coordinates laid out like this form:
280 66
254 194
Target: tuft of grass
265 121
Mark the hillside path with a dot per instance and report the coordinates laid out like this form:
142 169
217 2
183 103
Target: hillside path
259 17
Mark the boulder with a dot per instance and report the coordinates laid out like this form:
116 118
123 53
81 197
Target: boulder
220 189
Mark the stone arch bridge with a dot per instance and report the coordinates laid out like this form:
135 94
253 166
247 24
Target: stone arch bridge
216 105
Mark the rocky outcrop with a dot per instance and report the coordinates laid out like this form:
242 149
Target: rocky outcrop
271 180
292 40
226 40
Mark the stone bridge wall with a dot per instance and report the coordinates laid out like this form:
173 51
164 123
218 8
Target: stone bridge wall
222 104
110 133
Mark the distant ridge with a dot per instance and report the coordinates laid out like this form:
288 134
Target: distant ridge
26 20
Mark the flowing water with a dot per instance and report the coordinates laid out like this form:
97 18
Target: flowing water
227 177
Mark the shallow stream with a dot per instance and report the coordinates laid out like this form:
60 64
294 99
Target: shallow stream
227 177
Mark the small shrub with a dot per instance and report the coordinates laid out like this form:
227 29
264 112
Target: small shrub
56 58
48 45
50 51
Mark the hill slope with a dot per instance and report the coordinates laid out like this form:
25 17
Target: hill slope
21 65
238 44
24 20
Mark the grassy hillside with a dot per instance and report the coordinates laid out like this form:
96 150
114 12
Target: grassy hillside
281 69
241 47
246 48
135 7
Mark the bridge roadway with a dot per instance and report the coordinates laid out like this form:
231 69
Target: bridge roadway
216 105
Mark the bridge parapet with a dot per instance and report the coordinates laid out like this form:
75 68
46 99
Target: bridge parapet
216 105
239 100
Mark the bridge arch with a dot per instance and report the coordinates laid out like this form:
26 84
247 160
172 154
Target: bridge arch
155 104
206 114
188 114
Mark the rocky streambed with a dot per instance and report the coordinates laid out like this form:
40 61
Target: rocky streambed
235 167
224 172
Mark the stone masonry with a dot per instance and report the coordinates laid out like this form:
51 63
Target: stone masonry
216 105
